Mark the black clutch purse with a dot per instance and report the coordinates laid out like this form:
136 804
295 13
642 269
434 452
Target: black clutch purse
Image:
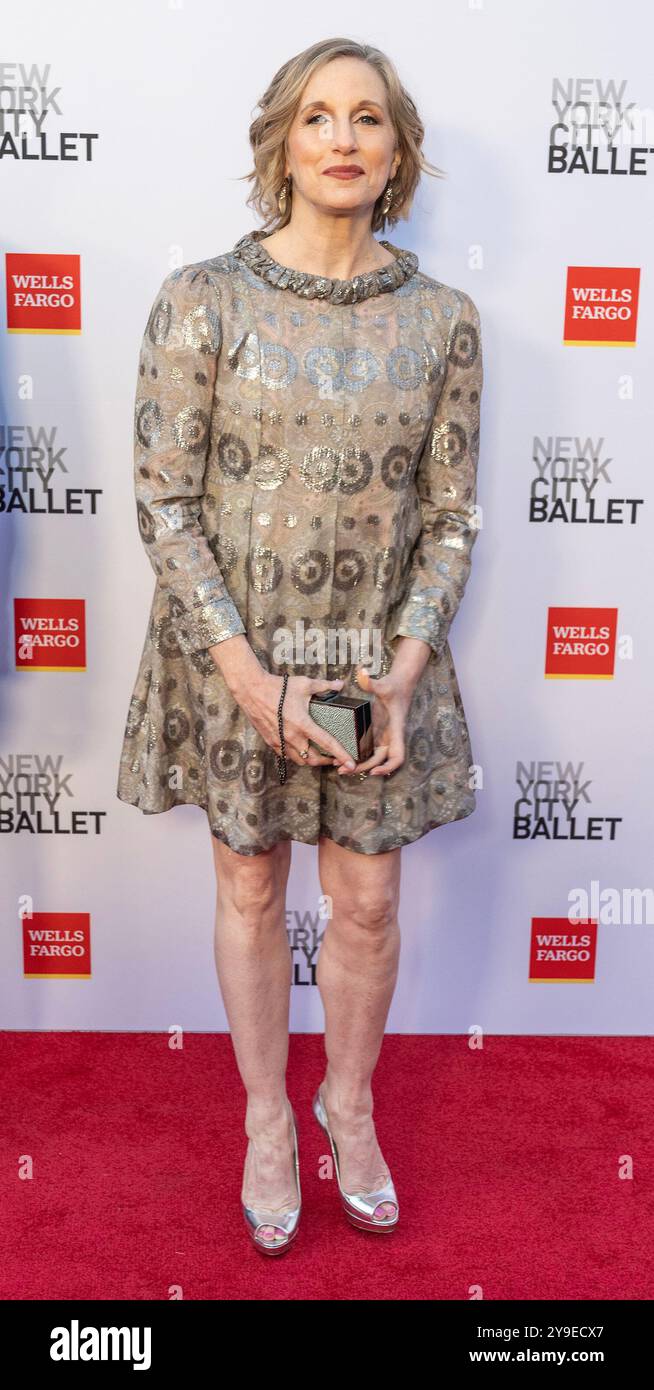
348 718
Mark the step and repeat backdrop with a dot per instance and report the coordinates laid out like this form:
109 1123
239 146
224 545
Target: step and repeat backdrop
123 146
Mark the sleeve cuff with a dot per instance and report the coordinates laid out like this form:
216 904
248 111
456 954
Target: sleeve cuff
205 626
419 618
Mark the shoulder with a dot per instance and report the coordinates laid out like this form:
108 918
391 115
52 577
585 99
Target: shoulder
453 303
196 279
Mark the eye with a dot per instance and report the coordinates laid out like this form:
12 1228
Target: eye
366 117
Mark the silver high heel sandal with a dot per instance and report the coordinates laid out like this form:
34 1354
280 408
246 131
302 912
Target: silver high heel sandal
273 1231
370 1211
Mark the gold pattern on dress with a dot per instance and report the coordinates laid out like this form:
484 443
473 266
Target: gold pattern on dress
448 442
271 468
264 519
433 365
243 357
319 468
290 519
158 326
190 429
201 329
265 569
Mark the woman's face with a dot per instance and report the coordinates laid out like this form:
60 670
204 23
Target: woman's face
342 120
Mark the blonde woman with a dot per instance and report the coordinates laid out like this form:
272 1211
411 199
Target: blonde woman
307 431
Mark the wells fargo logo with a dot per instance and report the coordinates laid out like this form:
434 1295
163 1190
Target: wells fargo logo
580 643
57 945
50 634
601 306
43 293
562 952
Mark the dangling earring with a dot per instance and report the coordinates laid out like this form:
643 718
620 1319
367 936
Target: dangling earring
388 199
281 200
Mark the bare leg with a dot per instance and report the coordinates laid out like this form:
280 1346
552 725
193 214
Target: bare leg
356 976
253 962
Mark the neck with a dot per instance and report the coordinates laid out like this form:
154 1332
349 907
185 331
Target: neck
337 248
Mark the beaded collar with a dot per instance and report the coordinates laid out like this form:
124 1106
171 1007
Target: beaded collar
308 286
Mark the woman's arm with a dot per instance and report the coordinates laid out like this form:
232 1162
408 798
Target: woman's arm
446 479
172 419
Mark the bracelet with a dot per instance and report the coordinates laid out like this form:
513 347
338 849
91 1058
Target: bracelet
281 760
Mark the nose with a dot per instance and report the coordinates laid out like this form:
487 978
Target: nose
343 135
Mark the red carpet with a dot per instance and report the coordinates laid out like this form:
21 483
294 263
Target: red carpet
506 1162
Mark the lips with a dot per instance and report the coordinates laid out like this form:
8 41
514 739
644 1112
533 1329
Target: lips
345 171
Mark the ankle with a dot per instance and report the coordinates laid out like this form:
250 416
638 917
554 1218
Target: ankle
347 1103
268 1116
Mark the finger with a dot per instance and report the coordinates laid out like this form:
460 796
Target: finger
390 764
326 742
318 687
294 743
313 758
373 685
381 752
378 756
396 751
292 755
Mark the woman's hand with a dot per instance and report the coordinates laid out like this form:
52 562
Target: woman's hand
393 695
259 699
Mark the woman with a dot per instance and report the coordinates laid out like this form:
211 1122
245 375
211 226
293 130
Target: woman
307 429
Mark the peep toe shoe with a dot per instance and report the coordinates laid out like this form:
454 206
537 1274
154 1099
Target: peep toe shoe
273 1231
370 1211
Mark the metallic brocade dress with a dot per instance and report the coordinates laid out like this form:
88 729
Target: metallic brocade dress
305 460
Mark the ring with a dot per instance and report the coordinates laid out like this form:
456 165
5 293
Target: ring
304 752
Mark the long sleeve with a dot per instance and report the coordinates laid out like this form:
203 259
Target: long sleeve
172 429
446 481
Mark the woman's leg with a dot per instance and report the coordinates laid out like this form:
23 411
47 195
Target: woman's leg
253 961
356 975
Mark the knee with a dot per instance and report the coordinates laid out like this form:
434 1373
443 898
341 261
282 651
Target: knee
257 900
254 891
253 888
371 914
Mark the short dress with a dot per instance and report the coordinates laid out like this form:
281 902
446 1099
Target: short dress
305 466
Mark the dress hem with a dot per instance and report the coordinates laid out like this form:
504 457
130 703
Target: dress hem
282 839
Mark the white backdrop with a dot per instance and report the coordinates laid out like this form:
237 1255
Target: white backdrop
168 92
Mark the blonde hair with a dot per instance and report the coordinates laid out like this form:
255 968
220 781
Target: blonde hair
278 105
